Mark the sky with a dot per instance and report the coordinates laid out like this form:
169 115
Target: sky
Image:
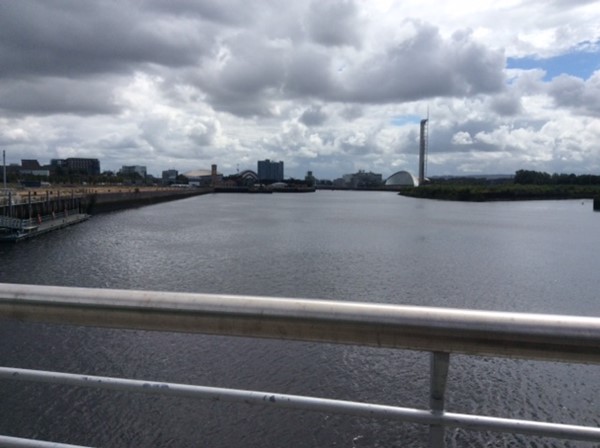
330 86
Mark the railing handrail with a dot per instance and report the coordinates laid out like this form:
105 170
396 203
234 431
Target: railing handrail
473 332
11 223
442 331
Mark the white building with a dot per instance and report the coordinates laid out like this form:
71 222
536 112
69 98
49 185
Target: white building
402 179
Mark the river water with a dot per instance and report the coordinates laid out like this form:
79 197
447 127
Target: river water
356 246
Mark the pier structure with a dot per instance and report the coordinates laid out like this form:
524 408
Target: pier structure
14 230
41 211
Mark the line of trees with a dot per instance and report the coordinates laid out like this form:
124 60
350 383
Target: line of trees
527 177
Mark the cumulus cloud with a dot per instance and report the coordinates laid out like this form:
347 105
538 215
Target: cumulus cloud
334 23
574 93
462 138
425 65
313 116
187 83
50 96
74 39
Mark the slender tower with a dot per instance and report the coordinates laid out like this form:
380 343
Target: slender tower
213 175
4 168
423 150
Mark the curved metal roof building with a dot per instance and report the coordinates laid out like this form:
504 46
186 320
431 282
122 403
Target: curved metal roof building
402 178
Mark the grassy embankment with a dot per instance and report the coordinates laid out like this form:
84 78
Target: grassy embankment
506 192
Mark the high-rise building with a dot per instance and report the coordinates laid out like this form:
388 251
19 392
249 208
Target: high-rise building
270 171
133 169
169 176
90 167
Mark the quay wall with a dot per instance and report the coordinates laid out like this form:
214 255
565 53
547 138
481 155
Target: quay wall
107 202
93 201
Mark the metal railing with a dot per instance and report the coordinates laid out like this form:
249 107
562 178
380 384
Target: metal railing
440 331
11 223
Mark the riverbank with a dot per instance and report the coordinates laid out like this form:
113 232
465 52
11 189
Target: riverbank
508 192
107 201
40 212
43 201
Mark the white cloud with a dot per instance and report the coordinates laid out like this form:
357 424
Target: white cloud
462 138
184 84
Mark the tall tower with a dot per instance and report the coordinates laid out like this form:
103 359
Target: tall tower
213 175
423 150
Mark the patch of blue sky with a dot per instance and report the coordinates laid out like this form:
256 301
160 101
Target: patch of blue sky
403 120
581 64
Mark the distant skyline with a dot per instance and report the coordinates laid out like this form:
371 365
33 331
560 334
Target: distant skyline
331 87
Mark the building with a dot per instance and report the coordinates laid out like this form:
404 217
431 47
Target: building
169 177
203 178
31 167
401 179
309 179
30 164
248 177
132 170
90 167
362 179
270 171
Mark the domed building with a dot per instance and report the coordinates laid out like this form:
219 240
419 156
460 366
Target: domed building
402 179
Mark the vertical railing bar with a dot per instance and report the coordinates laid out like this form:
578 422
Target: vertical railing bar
439 364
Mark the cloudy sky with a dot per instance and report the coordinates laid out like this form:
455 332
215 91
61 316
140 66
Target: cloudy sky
331 86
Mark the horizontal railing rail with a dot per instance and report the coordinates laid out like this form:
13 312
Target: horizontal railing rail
441 331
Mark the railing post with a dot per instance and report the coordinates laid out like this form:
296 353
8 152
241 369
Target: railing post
440 361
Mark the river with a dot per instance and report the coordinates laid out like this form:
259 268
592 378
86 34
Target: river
539 256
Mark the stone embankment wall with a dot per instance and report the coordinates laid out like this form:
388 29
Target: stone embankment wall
110 201
44 202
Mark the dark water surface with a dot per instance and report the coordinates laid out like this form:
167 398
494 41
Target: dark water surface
379 247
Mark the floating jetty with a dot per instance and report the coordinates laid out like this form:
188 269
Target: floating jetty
14 229
44 211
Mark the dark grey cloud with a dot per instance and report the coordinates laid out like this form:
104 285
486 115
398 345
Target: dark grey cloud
334 23
228 12
314 116
73 38
246 78
234 68
309 75
507 104
49 96
424 66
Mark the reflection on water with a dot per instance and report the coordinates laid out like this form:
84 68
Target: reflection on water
531 256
